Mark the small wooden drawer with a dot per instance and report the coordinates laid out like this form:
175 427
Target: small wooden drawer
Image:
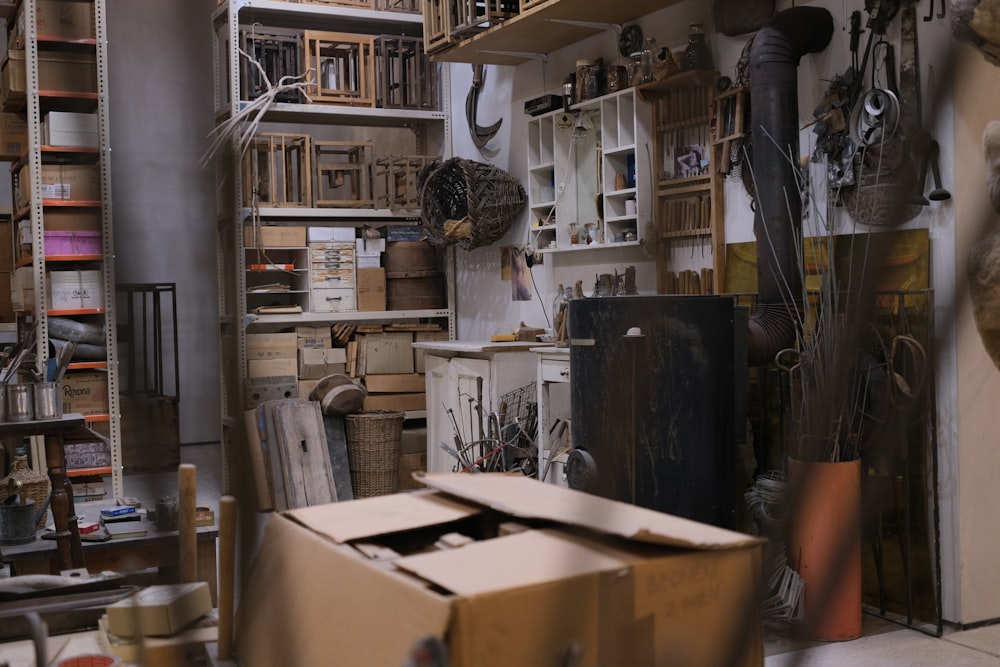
555 370
336 300
331 255
332 278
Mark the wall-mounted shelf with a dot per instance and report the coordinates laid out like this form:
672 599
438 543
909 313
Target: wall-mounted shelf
545 28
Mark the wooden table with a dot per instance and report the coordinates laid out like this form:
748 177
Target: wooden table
159 550
67 534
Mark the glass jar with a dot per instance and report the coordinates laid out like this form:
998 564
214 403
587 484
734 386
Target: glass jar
646 60
697 55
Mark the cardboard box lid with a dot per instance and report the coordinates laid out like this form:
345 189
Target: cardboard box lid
367 517
542 556
527 499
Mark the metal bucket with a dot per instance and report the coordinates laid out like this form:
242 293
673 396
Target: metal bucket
18 522
48 400
20 402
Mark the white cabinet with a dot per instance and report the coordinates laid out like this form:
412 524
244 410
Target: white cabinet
553 373
588 173
461 376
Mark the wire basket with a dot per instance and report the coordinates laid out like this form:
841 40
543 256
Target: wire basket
373 440
468 203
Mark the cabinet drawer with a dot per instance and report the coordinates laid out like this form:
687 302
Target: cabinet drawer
333 300
555 370
331 255
332 278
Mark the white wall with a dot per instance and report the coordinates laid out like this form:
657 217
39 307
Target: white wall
160 83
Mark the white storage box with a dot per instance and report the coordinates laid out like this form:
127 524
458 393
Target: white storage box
370 247
70 290
65 128
346 234
369 261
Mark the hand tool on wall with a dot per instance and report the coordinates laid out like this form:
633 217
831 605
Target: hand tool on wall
187 486
227 574
480 135
930 10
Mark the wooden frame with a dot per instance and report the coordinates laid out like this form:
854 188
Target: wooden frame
437 25
402 6
278 51
343 174
473 16
405 77
398 175
341 67
277 171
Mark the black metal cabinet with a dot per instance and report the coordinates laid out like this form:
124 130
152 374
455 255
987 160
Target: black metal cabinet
658 390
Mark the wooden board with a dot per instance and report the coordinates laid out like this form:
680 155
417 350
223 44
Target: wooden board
336 445
257 463
301 441
272 459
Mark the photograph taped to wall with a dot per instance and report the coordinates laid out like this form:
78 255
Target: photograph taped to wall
520 276
505 254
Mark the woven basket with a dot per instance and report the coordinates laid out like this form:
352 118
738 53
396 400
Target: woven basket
33 485
468 203
373 439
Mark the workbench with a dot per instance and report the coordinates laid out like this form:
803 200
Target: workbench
159 550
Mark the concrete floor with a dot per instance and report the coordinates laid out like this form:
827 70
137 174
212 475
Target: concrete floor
886 644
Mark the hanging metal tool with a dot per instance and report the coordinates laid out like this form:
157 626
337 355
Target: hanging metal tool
480 135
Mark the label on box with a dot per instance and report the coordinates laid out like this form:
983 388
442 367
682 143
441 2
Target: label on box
55 191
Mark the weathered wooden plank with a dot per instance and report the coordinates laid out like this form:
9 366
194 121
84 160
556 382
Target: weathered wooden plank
305 460
336 444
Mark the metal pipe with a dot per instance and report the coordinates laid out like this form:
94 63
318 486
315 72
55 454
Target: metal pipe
774 102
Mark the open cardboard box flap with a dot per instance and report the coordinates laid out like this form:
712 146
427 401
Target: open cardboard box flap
342 522
527 499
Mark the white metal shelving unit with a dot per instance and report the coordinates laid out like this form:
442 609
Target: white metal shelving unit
431 132
38 101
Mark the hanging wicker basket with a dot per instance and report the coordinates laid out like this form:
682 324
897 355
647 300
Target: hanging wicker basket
468 203
373 440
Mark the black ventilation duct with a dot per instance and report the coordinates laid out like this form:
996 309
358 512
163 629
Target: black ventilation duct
774 61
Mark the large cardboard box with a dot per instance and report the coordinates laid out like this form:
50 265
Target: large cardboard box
56 18
274 236
629 587
62 72
315 363
371 289
389 352
72 220
22 290
271 346
318 337
85 392
76 182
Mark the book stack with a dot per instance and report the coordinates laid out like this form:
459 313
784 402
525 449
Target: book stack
123 522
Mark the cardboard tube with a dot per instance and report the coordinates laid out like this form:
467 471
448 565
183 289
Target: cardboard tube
187 483
227 574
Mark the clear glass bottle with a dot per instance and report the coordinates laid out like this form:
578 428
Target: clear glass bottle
697 55
646 60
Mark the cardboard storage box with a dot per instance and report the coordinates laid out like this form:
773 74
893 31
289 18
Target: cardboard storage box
71 244
72 221
85 392
159 610
404 402
628 586
401 383
22 290
389 352
91 454
368 262
57 18
13 136
342 234
68 128
315 363
371 289
258 368
318 337
274 236
72 290
271 346
369 247
61 72
65 182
